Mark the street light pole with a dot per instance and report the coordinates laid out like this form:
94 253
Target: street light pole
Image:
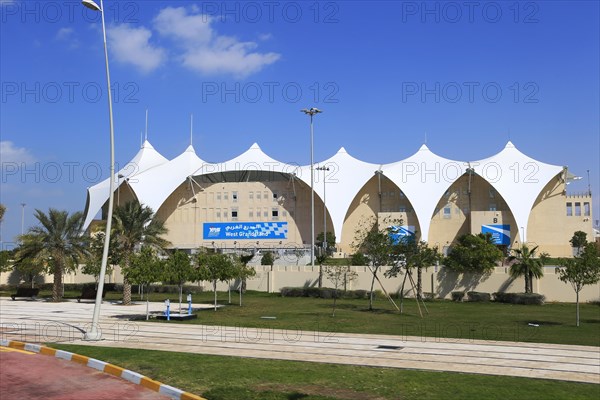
312 112
94 333
324 169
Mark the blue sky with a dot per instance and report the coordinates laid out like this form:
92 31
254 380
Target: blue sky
387 75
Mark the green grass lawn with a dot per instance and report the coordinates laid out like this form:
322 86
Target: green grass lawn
233 378
488 321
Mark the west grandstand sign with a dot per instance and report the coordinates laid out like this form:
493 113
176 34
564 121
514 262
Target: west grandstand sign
244 230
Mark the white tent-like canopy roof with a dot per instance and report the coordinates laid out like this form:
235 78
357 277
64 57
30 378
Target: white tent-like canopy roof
146 158
154 186
424 177
346 176
519 179
253 159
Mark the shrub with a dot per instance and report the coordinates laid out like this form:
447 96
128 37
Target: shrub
69 287
323 293
267 259
158 288
519 298
359 259
112 287
292 292
478 296
458 296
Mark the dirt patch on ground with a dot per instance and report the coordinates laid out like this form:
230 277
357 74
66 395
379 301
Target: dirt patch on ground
338 393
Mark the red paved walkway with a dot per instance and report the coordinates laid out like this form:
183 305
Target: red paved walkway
36 376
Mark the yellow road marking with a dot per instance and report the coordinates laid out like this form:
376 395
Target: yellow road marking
8 349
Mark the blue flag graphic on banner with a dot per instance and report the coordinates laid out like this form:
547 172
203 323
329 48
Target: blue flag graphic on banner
500 233
244 230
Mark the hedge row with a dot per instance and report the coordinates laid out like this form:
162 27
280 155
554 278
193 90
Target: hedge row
109 287
511 298
193 289
478 296
69 287
519 298
323 293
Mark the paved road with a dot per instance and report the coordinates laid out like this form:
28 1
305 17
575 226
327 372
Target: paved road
57 379
64 322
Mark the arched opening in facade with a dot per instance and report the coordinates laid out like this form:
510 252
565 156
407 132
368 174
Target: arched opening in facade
472 205
380 200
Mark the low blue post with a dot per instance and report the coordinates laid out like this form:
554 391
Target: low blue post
168 312
189 299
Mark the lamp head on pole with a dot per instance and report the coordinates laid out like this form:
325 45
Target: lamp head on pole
311 111
91 4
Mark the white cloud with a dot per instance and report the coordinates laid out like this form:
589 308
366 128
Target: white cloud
132 45
176 23
9 153
265 36
67 35
204 50
230 57
64 33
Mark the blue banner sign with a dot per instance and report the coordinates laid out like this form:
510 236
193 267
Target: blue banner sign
403 232
500 233
244 230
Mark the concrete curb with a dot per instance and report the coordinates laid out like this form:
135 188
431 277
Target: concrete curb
105 367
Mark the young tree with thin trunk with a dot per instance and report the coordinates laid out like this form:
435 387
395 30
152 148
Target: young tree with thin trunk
413 254
377 246
145 268
134 225
299 253
179 270
214 267
242 272
581 270
330 241
321 259
56 241
32 268
93 261
340 276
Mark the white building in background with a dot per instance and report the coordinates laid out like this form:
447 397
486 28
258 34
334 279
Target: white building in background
255 201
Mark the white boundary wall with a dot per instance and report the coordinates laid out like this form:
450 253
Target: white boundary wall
437 280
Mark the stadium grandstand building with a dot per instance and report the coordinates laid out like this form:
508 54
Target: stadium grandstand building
254 201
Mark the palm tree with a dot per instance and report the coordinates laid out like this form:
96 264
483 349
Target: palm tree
134 225
2 211
57 242
526 264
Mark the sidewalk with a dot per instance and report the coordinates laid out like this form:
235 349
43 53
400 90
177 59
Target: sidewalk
65 322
